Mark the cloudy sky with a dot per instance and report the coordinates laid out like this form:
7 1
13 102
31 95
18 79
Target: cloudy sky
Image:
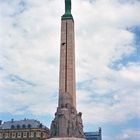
107 62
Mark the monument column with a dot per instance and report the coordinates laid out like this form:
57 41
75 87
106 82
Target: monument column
67 59
67 122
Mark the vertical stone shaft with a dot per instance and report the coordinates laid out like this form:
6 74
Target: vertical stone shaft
67 61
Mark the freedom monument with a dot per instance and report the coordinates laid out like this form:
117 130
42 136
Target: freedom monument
67 124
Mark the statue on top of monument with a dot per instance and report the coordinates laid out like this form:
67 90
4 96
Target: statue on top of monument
67 6
67 14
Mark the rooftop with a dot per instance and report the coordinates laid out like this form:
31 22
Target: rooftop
26 123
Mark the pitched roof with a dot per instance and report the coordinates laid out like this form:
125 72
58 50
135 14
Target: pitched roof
26 123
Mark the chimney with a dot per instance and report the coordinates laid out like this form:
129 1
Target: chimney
12 120
100 130
100 133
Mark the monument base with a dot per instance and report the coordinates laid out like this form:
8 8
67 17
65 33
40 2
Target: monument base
66 138
67 122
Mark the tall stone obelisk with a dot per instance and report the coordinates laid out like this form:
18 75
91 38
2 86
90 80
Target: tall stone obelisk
67 55
67 122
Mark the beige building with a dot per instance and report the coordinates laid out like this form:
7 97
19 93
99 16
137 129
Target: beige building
23 130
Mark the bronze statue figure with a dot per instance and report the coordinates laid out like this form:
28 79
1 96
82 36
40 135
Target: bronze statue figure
67 6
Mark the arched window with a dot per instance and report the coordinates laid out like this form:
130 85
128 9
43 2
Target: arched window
12 126
41 134
23 126
18 126
29 126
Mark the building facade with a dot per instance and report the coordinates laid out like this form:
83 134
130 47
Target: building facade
23 130
29 129
94 135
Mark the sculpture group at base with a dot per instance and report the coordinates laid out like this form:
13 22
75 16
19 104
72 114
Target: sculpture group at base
67 122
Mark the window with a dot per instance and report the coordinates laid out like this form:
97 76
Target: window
1 135
31 134
23 126
38 134
6 135
24 134
35 134
18 126
12 126
44 135
13 135
19 135
29 126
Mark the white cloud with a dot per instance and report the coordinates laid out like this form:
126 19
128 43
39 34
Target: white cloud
117 95
125 134
129 134
132 72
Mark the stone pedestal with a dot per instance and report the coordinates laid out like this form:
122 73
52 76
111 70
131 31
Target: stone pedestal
67 122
